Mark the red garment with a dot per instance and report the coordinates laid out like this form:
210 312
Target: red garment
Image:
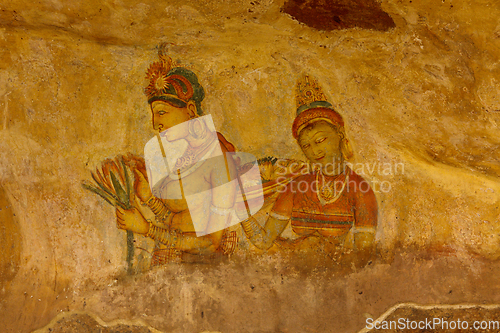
228 145
356 205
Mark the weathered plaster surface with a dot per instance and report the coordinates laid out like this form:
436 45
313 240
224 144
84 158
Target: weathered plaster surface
424 94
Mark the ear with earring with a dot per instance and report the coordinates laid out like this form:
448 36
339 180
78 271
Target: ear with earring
197 128
345 146
191 108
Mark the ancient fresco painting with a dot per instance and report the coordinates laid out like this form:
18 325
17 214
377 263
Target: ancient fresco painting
290 166
329 207
202 195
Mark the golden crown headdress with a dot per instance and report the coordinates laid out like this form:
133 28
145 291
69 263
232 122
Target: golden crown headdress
168 81
312 105
308 91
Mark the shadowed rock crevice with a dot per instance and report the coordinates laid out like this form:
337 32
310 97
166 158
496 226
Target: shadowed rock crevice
339 14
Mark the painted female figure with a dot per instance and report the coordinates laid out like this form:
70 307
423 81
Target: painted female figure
175 95
328 206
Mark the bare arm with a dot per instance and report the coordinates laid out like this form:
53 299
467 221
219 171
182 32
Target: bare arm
264 237
133 220
186 241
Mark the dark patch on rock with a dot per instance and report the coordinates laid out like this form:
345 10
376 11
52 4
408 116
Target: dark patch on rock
339 14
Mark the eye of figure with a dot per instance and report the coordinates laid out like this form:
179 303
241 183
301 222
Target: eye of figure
161 113
319 140
306 146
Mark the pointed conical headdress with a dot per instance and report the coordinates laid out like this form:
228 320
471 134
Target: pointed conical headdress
312 105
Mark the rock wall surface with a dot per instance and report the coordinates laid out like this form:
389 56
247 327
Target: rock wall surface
421 105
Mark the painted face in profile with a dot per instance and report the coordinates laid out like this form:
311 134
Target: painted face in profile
171 120
320 142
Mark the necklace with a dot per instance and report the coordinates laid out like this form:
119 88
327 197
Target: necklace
328 192
193 155
186 159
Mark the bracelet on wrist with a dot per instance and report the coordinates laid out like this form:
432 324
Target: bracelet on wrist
148 202
170 238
